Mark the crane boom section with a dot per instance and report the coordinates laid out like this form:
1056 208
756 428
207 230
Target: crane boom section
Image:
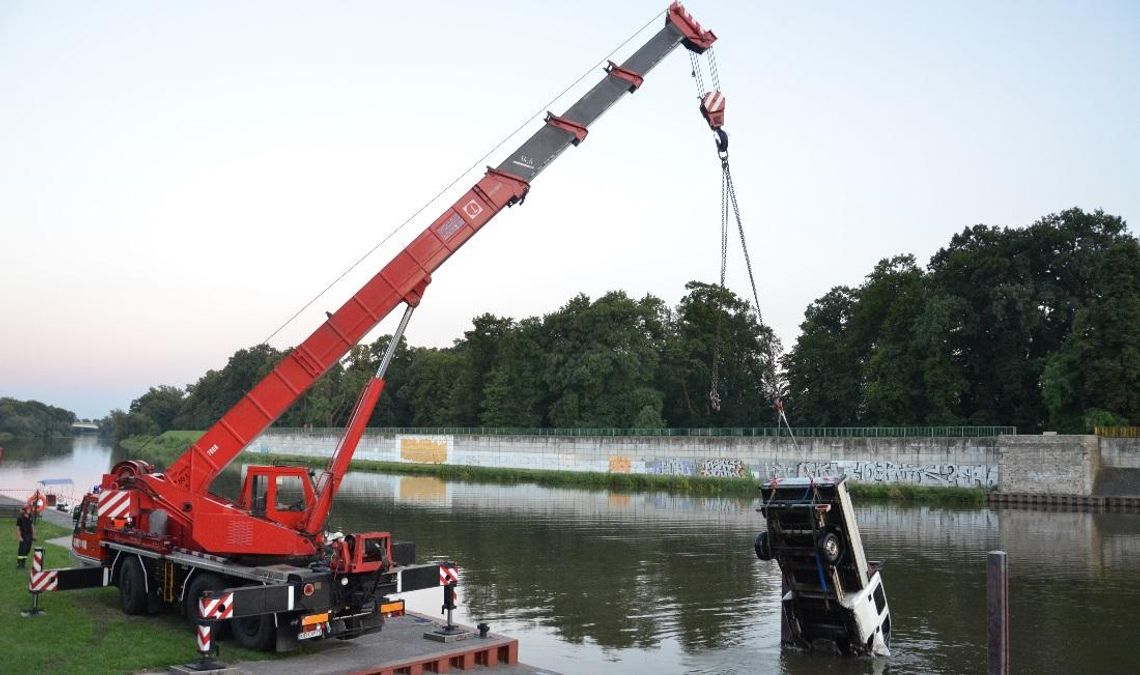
405 277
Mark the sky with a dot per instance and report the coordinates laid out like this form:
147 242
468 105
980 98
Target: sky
178 178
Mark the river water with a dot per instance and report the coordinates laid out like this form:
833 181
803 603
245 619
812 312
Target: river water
595 581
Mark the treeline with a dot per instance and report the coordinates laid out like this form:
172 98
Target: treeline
610 362
33 419
1037 327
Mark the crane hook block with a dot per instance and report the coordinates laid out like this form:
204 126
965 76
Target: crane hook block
722 144
697 39
712 107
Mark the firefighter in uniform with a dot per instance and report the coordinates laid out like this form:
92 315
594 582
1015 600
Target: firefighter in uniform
27 533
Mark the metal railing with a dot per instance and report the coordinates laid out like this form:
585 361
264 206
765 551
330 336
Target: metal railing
1117 432
754 432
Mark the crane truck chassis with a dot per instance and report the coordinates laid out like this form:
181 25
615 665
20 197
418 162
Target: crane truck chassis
163 538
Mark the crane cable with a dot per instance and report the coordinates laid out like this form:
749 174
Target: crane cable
769 381
546 106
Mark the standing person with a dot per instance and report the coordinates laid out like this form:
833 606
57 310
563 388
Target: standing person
27 533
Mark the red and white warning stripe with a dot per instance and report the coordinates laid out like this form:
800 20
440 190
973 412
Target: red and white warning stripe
221 607
114 503
38 560
39 582
448 575
713 101
204 639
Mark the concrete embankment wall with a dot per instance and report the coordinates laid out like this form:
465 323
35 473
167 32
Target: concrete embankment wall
1032 465
1119 468
960 462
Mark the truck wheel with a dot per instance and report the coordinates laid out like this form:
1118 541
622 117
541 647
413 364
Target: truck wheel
132 587
258 633
830 548
200 583
762 546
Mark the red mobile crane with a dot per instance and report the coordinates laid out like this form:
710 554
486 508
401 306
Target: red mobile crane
163 537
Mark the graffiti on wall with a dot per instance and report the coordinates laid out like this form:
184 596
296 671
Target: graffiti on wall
722 468
671 466
957 475
619 464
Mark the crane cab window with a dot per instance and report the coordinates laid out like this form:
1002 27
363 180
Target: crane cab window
87 519
290 494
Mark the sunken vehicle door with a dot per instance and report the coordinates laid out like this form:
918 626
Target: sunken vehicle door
833 599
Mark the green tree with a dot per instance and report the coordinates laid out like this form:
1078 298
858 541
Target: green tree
516 394
714 325
1095 377
602 362
432 374
478 351
34 419
824 368
217 391
157 409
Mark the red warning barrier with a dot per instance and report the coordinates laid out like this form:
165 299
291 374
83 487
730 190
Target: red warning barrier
204 642
39 582
217 608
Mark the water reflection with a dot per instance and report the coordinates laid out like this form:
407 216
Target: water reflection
593 581
668 583
25 462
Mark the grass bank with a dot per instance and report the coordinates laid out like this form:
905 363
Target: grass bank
163 449
85 631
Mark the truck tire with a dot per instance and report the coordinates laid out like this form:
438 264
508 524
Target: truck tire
198 584
762 546
132 587
830 548
258 633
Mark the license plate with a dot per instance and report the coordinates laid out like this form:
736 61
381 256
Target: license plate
305 635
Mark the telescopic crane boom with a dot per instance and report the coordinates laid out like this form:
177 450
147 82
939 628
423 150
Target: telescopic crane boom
209 523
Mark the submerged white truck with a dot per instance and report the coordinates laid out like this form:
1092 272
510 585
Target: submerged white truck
832 597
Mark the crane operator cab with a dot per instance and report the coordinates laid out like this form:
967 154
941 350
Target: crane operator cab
282 494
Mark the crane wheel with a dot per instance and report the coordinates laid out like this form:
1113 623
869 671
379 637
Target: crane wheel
199 583
132 587
258 633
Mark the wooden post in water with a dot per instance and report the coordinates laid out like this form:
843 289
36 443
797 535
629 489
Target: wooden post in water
997 612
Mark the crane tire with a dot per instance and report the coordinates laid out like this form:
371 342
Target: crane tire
132 588
258 632
199 583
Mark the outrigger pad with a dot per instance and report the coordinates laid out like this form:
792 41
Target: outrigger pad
832 598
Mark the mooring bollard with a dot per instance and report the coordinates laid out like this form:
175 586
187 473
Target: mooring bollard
997 612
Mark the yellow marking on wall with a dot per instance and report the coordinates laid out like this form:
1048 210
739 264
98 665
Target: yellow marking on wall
619 464
422 489
423 450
